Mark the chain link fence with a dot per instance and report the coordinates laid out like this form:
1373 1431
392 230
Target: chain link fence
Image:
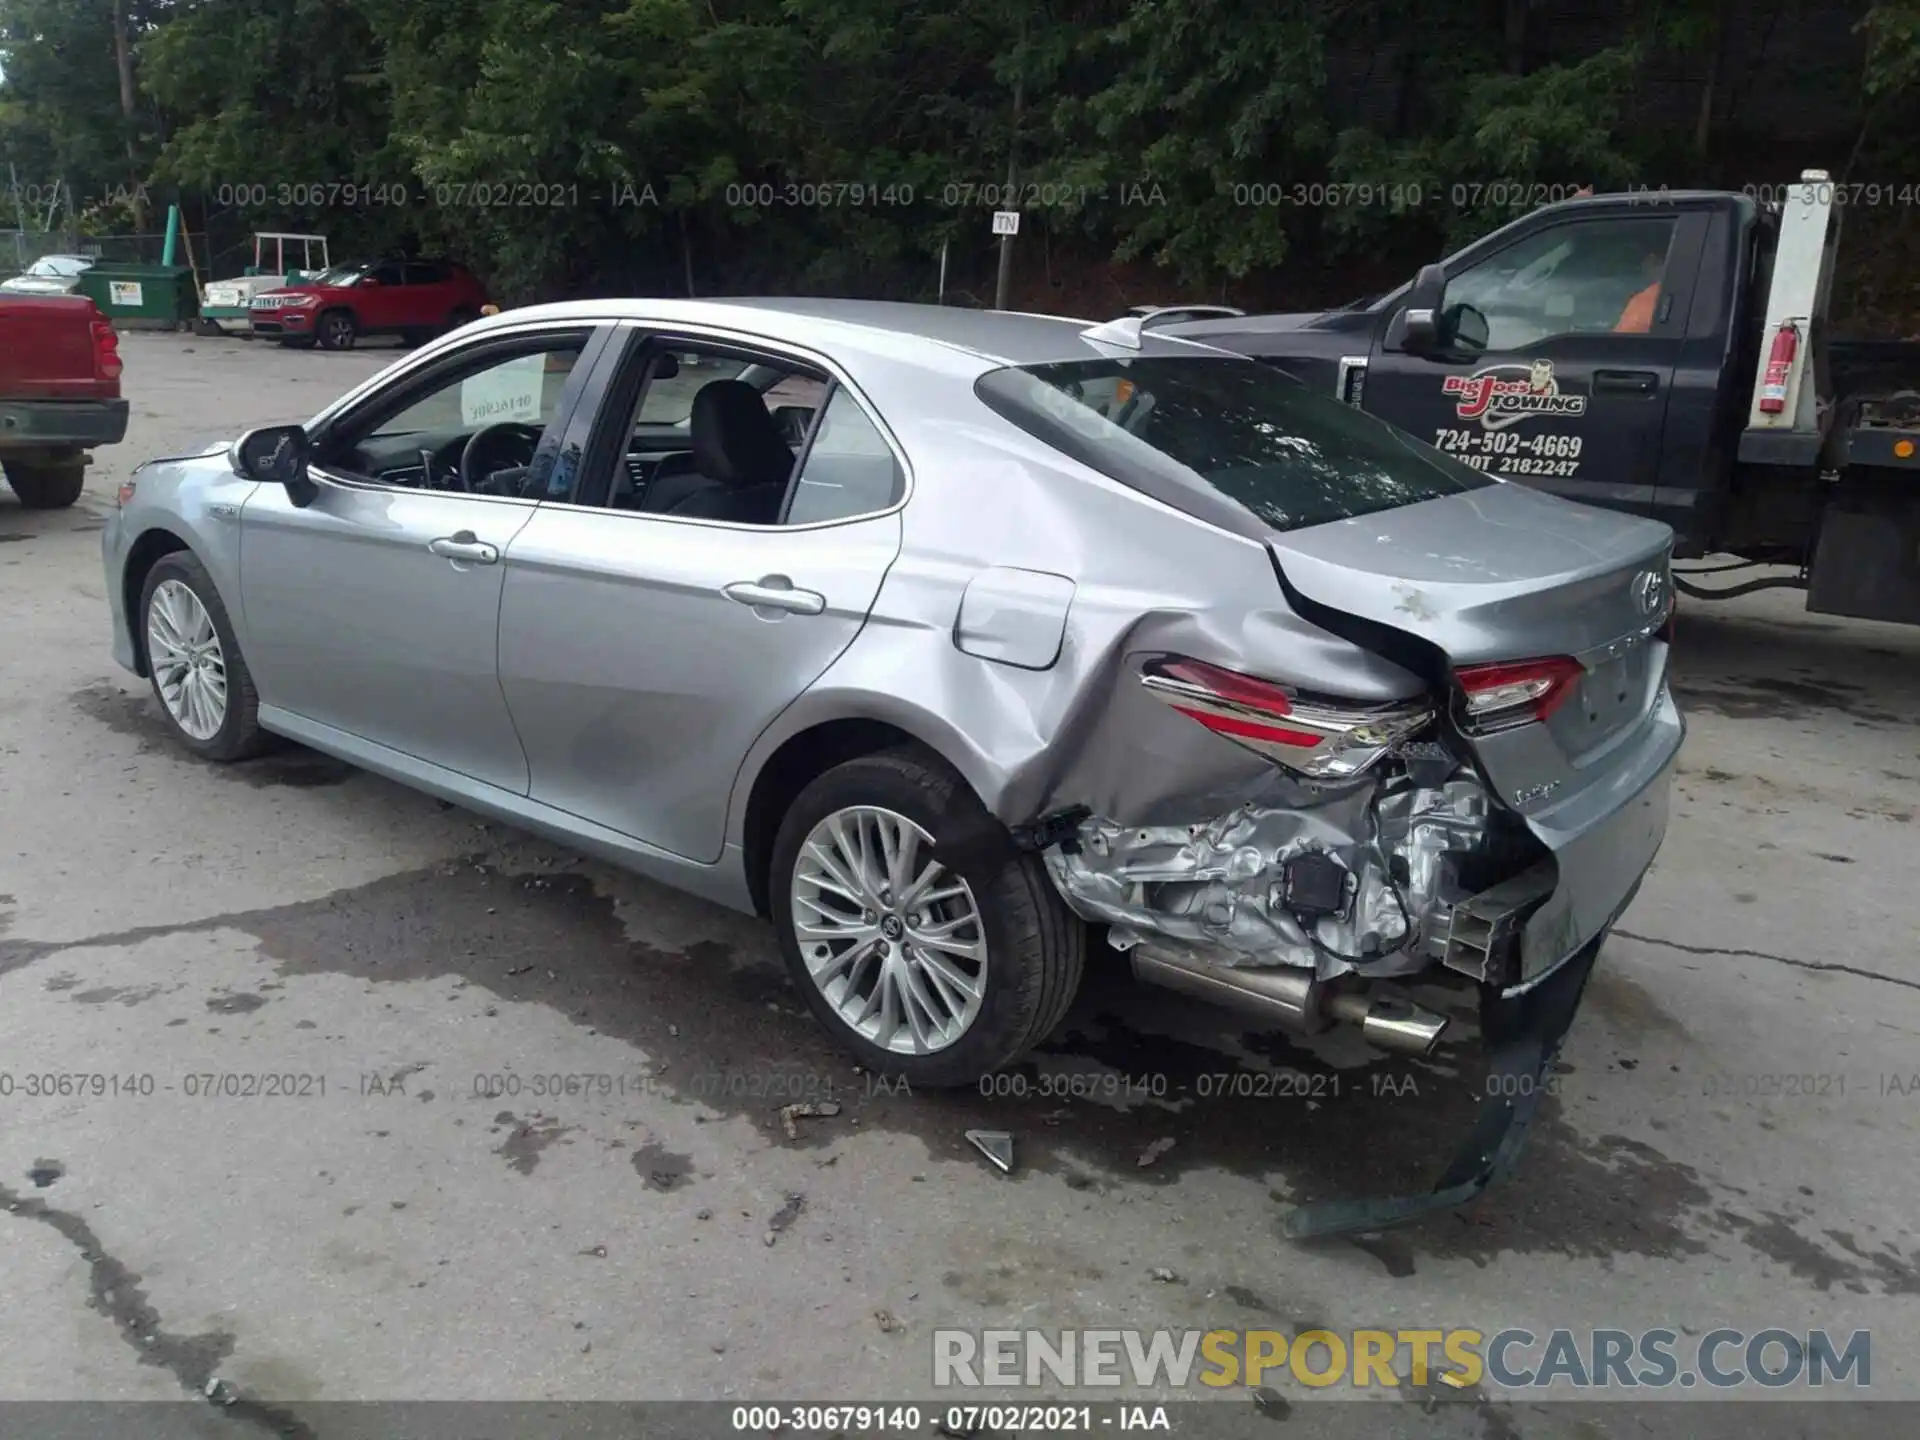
20 248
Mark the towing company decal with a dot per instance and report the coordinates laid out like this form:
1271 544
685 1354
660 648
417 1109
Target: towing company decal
1503 395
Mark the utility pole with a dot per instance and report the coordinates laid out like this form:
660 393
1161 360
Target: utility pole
123 63
1004 280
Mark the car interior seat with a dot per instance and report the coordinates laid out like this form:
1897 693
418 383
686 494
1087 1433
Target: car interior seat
739 465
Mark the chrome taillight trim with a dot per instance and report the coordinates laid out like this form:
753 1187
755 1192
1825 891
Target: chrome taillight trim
1345 740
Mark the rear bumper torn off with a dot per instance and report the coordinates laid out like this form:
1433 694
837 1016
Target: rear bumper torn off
1217 889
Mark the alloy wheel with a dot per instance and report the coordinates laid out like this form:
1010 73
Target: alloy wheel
189 667
892 937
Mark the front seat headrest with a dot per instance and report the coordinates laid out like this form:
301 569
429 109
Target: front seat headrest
735 440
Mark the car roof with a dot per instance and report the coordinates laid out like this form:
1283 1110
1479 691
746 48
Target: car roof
992 337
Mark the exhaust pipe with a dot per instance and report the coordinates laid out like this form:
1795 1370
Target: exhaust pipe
1282 994
1294 1000
1389 1022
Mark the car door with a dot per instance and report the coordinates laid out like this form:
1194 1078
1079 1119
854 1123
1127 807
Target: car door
427 300
375 609
380 299
643 653
1585 321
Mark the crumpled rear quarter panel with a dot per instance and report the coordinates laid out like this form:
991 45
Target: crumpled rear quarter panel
1146 579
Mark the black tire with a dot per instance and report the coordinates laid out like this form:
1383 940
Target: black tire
239 736
1036 946
47 487
336 330
459 317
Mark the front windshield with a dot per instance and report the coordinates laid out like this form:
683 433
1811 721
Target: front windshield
61 266
338 275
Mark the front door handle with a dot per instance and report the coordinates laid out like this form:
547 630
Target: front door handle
1626 382
776 592
462 545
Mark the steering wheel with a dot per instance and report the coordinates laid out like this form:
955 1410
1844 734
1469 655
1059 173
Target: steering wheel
499 446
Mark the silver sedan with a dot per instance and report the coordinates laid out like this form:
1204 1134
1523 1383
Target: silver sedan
951 641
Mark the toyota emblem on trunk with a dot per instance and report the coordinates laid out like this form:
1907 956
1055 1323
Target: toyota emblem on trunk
1649 591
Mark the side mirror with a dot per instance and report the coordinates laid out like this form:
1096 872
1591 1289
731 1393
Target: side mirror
278 455
1464 329
1419 328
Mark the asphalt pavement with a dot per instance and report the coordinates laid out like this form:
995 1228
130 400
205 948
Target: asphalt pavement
527 1140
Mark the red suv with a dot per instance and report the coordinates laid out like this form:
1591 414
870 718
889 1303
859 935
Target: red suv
412 298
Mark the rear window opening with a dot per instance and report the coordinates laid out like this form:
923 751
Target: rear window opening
1224 438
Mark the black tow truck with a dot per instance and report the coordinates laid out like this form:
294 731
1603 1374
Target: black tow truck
1661 352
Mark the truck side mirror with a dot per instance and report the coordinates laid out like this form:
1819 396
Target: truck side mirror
278 455
1420 327
1464 329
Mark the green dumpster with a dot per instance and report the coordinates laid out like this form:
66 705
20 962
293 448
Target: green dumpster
135 297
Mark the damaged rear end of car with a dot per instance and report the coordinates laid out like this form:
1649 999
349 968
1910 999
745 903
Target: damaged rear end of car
1449 705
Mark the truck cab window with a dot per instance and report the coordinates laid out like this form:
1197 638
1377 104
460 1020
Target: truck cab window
1586 277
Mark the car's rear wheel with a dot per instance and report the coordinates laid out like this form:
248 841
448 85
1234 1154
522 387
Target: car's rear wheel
337 330
194 662
928 945
47 487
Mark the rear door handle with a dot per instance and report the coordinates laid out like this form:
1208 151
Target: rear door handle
1626 382
462 545
776 592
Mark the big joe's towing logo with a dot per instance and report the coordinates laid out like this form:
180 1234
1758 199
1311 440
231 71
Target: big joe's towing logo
1503 395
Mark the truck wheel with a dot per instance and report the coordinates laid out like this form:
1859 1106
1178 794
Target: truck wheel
930 947
194 662
337 330
47 487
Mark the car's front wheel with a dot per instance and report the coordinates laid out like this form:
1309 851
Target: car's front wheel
194 662
929 946
337 330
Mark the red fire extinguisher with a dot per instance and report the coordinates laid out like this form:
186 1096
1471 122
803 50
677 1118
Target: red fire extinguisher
1773 389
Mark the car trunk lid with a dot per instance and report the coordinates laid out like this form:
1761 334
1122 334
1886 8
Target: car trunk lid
1498 575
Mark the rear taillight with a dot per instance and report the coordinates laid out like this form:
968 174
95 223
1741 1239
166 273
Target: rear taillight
1516 692
106 351
1323 738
